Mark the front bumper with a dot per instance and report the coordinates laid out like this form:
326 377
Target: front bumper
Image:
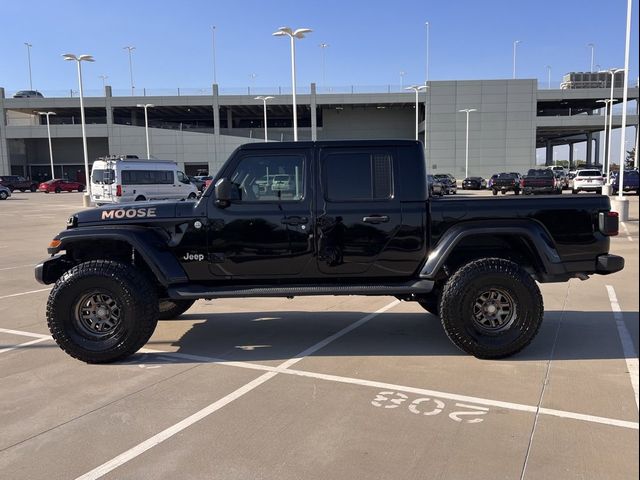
49 270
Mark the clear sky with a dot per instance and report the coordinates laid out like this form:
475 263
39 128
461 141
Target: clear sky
370 41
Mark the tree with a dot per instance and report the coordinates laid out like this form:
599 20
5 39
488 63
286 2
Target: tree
631 157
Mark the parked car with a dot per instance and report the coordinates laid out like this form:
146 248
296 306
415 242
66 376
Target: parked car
15 182
197 181
474 183
561 179
630 182
507 182
58 185
491 180
28 94
587 180
449 183
4 193
541 180
436 188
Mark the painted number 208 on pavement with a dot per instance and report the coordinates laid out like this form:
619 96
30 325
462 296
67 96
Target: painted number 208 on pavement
428 406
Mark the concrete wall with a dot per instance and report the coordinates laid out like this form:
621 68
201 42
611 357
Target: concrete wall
501 132
367 122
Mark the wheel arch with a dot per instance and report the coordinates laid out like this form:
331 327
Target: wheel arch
522 240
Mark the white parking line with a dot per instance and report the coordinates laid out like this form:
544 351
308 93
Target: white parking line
178 427
24 334
402 388
25 344
17 266
628 349
25 293
626 231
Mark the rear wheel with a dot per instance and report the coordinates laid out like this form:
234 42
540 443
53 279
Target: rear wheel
517 192
491 308
81 188
3 195
23 190
140 198
57 190
574 191
171 309
33 188
495 192
102 311
192 196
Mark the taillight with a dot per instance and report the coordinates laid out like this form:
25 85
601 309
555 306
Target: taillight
118 190
608 223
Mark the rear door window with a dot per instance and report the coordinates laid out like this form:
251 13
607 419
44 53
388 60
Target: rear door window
358 175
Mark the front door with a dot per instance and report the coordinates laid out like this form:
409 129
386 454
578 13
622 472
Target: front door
266 231
358 212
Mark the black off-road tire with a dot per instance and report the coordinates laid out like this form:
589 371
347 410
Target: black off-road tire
460 300
136 309
172 309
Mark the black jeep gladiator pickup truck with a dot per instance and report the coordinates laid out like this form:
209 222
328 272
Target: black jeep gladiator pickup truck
322 218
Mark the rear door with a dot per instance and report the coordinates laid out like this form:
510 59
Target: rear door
358 213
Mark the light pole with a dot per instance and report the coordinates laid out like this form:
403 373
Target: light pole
605 157
130 48
49 136
146 123
612 72
86 199
252 81
293 34
622 205
466 155
264 103
402 74
104 80
418 89
28 45
549 77
428 26
592 46
213 48
515 47
323 46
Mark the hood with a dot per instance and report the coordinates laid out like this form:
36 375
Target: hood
127 213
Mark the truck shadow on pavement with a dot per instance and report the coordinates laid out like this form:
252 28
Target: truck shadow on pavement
264 336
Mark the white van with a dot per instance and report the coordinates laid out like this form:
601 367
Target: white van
122 180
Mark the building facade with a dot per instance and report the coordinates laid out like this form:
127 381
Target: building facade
511 119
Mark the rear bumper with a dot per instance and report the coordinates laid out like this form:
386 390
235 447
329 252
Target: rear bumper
607 264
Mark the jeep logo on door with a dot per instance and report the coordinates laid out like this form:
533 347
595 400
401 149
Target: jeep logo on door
128 213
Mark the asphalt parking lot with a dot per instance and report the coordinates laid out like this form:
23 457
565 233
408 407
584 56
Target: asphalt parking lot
317 388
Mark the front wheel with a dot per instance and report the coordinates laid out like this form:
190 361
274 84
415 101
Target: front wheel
102 311
574 191
495 192
3 195
491 308
57 190
517 192
172 309
33 188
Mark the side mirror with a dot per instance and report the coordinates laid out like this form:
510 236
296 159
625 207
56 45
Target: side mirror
223 192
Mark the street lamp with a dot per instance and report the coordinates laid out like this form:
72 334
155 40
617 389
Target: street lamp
612 72
466 155
293 34
549 77
418 89
592 46
213 45
252 81
323 46
86 199
104 78
49 136
264 102
622 206
607 156
515 46
402 74
28 45
428 26
130 48
146 123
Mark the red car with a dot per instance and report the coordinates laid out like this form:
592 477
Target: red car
58 186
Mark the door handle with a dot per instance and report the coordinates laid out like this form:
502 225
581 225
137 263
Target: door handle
294 221
376 219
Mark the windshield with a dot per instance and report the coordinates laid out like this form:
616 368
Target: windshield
589 173
540 173
103 177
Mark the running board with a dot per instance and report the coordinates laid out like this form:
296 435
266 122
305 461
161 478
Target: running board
204 291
